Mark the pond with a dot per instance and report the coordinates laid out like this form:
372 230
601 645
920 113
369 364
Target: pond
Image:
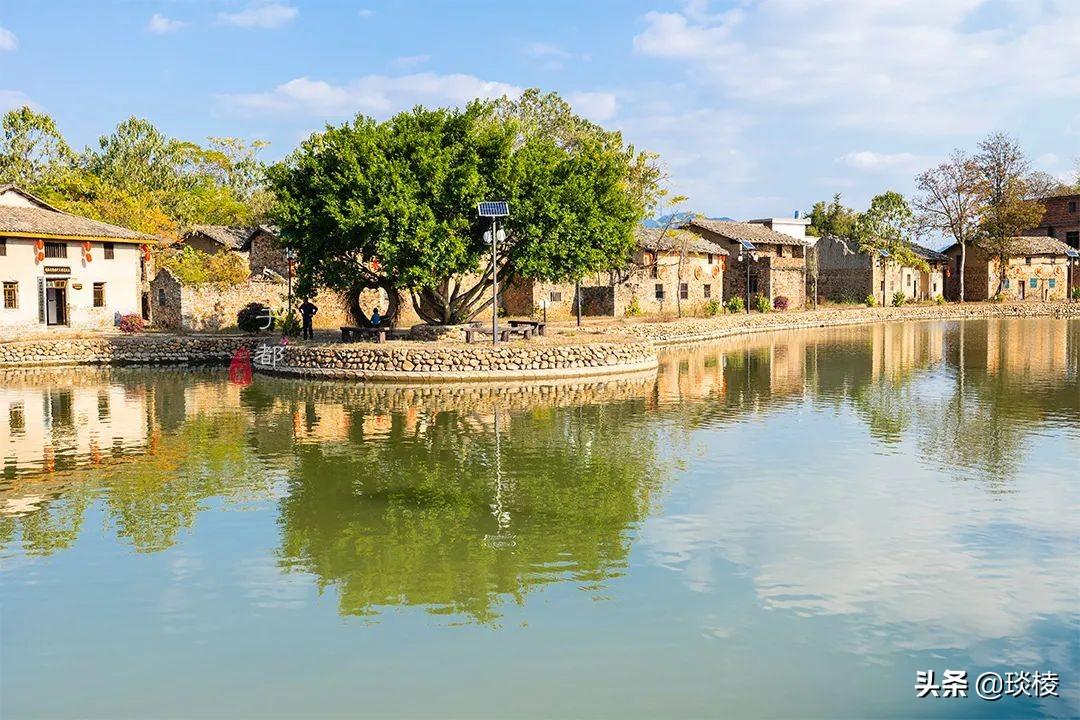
783 525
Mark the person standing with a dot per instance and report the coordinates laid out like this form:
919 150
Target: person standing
307 312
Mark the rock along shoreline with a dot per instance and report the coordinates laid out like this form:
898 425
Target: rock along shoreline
621 348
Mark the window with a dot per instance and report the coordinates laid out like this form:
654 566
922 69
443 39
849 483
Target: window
753 284
659 291
3 246
710 258
11 295
17 418
555 296
1027 260
1051 283
55 250
1072 238
110 250
161 296
1033 283
779 251
654 271
1072 206
707 290
1006 283
1050 232
684 291
99 294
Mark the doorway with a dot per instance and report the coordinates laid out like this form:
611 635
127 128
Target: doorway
1023 288
56 310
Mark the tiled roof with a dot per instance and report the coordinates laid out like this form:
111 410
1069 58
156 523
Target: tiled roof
927 254
658 240
1031 245
742 231
228 236
47 222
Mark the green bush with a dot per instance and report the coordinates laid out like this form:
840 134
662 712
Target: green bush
899 298
735 305
252 318
289 324
1076 293
939 299
998 298
870 301
762 304
195 267
713 307
633 309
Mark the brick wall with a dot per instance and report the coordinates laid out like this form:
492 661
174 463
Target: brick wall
1062 219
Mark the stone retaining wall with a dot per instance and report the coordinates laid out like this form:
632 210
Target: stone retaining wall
542 358
123 349
700 329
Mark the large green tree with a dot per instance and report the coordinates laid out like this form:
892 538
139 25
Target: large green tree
393 204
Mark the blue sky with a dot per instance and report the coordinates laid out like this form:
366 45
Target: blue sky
757 108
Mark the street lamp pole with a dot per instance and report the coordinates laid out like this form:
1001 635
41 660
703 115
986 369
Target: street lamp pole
494 210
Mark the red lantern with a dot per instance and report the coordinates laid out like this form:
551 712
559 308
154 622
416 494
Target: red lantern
40 256
39 244
375 264
86 247
146 252
87 257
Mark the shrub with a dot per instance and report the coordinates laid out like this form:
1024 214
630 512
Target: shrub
252 318
998 298
735 305
195 267
939 299
870 301
289 324
713 307
131 323
762 304
633 308
1076 293
899 298
780 303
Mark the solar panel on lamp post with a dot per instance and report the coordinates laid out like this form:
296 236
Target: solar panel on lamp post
494 210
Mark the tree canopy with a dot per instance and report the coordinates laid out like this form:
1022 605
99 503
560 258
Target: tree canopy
137 176
393 203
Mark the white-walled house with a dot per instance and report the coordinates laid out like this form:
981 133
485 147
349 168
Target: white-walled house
62 270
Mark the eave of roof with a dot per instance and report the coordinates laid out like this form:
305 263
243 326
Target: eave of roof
744 231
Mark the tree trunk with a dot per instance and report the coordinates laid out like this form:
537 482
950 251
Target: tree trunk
963 267
392 303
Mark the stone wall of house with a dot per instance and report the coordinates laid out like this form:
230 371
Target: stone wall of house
125 349
265 252
598 300
404 361
981 277
175 306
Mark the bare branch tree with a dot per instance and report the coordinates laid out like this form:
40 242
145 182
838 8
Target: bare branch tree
949 203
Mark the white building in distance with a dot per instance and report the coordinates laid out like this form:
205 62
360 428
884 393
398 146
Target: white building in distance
61 270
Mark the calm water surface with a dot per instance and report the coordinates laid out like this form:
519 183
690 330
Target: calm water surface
781 526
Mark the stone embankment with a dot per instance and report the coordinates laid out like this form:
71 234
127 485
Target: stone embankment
689 330
537 359
124 350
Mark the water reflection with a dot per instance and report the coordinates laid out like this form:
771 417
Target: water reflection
876 496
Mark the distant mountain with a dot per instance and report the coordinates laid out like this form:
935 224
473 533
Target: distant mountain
680 217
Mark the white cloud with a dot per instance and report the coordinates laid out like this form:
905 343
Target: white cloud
550 56
8 41
924 66
14 99
596 106
869 160
161 25
378 95
261 15
408 62
366 12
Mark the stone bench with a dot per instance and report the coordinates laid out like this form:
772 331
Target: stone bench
350 333
538 327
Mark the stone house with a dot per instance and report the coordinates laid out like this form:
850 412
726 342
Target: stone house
1061 220
650 284
778 271
1037 268
847 274
259 247
62 270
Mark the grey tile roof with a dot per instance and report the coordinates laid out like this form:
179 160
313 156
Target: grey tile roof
232 237
1030 245
927 254
47 221
672 241
738 231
